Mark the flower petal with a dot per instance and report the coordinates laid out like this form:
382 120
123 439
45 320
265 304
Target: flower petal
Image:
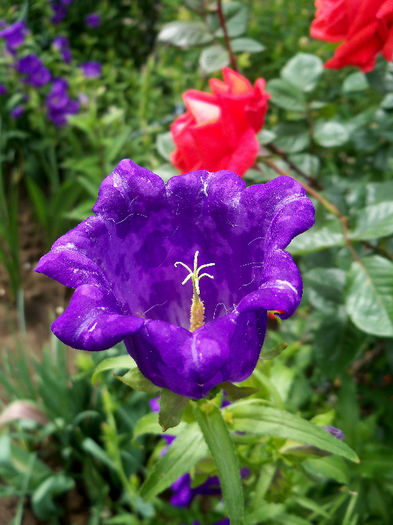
93 321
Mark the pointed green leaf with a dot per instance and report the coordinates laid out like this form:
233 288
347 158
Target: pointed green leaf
112 363
286 95
253 418
303 71
237 392
213 58
369 295
137 381
223 451
188 448
373 222
171 409
184 33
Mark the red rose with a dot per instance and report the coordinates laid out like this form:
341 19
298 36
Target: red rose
218 130
365 26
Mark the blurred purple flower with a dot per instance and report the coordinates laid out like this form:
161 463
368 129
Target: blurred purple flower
59 13
93 20
336 432
59 103
62 44
14 35
91 69
36 74
3 89
17 111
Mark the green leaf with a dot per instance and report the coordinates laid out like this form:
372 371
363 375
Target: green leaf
373 222
188 448
266 136
355 82
253 418
271 353
147 424
223 451
266 512
112 363
236 17
184 33
387 102
330 133
291 137
165 145
369 295
137 381
237 392
166 171
171 409
338 342
331 467
213 58
42 500
286 96
303 71
246 45
315 240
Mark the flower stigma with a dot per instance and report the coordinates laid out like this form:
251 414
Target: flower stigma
197 308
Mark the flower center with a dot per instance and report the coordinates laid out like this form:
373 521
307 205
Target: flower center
197 308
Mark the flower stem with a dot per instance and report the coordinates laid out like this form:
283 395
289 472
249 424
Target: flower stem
224 28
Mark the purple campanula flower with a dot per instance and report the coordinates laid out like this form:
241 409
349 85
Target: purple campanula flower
59 13
14 35
93 20
336 432
91 69
62 44
122 264
36 74
17 111
3 89
59 103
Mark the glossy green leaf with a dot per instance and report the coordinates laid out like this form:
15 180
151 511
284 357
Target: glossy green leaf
248 45
286 96
373 222
355 82
330 133
318 239
236 17
184 33
188 448
112 363
171 409
369 295
303 71
266 421
291 137
165 145
213 58
223 451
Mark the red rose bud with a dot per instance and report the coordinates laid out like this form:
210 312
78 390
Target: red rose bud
218 130
364 26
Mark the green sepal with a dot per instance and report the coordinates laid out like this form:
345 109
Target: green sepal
171 409
137 381
237 392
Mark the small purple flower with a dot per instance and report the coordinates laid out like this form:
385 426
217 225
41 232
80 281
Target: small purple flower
59 13
91 69
17 111
336 432
36 74
3 89
83 98
122 264
59 103
93 20
62 44
14 35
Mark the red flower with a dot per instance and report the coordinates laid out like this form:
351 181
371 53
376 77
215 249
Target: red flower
365 26
218 130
